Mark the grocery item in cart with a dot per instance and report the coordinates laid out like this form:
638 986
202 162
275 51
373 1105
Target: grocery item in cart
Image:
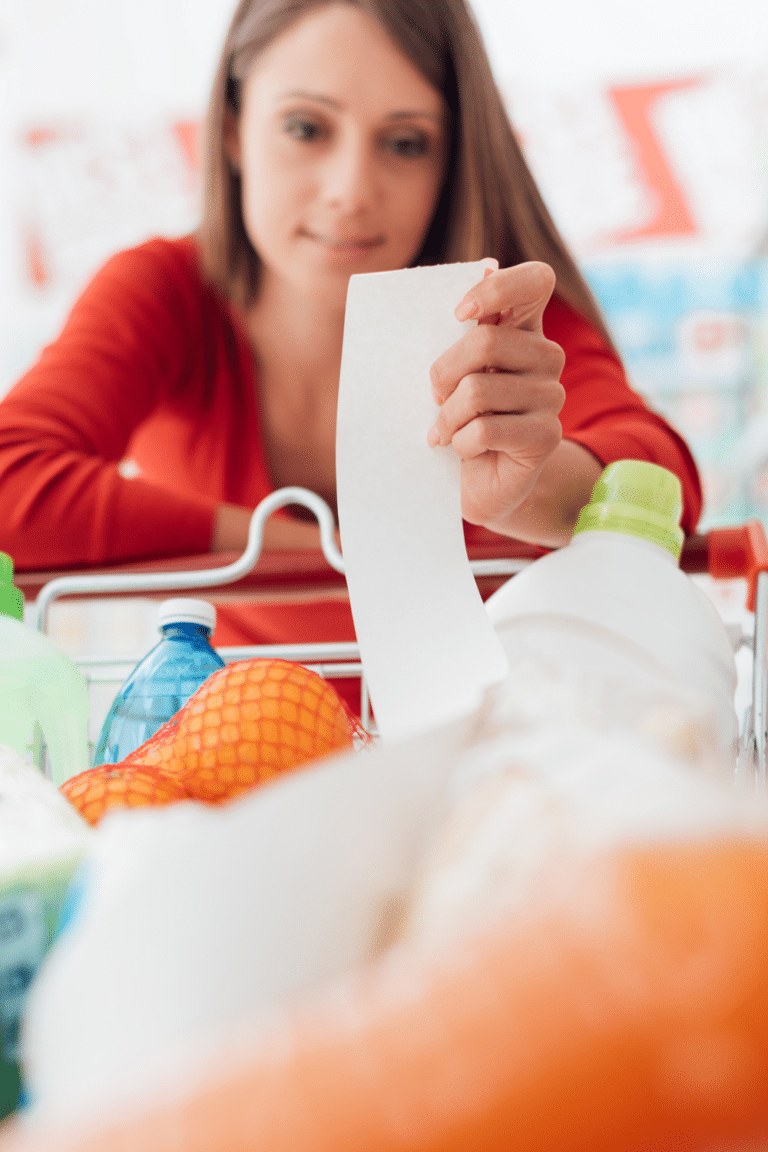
41 843
603 984
247 723
164 680
42 693
614 599
196 917
108 786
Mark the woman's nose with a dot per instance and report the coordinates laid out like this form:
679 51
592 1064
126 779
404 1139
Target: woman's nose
349 176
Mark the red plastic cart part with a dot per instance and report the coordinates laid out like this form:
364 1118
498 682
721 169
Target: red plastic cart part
277 575
280 575
741 551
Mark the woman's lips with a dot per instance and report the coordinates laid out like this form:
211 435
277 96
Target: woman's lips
346 247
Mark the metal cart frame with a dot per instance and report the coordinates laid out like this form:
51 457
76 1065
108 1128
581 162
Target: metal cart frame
722 553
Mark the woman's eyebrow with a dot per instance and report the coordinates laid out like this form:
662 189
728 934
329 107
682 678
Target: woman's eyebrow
415 113
304 95
320 98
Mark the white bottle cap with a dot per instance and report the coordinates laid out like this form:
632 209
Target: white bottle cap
184 611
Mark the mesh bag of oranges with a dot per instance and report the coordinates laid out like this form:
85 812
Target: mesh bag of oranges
245 725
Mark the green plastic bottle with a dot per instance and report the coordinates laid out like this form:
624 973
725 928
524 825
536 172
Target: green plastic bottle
614 600
40 689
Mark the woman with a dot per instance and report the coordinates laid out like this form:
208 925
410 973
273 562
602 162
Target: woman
343 137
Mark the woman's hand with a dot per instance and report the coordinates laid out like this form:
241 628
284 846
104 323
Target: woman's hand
500 396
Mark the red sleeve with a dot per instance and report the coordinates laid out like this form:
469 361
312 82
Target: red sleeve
603 413
65 426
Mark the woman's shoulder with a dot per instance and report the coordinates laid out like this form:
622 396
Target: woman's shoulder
157 262
160 283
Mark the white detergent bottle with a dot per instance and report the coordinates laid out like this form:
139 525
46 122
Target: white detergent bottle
39 687
614 599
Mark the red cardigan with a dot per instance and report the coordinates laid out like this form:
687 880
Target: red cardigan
153 365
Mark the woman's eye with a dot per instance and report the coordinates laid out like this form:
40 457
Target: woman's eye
408 146
300 128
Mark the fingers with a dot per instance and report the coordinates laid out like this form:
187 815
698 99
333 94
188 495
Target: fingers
505 349
525 438
501 459
518 294
486 402
499 393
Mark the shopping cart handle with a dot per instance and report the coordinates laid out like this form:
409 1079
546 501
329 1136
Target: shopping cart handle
726 553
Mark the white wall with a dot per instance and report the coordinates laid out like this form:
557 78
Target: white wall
611 41
78 57
111 77
75 55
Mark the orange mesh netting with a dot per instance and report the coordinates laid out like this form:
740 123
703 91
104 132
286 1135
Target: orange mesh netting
94 792
244 725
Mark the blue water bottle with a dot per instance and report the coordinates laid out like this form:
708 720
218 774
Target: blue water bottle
164 680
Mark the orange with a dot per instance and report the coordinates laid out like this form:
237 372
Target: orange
94 792
246 724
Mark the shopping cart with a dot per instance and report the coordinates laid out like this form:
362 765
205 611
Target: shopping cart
724 553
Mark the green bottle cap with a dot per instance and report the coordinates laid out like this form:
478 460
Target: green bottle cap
638 499
11 597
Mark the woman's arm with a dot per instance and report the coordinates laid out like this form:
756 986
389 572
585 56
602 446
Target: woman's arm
65 427
230 531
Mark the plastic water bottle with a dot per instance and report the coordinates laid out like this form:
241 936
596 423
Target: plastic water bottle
164 680
41 690
614 599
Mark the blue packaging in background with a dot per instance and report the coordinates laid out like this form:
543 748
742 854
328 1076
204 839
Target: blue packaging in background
692 335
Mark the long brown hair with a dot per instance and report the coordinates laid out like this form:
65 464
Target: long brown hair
489 205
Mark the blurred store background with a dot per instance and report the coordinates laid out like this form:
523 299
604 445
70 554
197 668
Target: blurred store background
645 123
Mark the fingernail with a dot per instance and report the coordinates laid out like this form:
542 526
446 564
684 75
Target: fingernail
433 437
467 309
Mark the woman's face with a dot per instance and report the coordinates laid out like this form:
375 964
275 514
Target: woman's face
341 144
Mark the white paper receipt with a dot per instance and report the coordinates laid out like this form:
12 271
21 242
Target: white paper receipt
427 645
